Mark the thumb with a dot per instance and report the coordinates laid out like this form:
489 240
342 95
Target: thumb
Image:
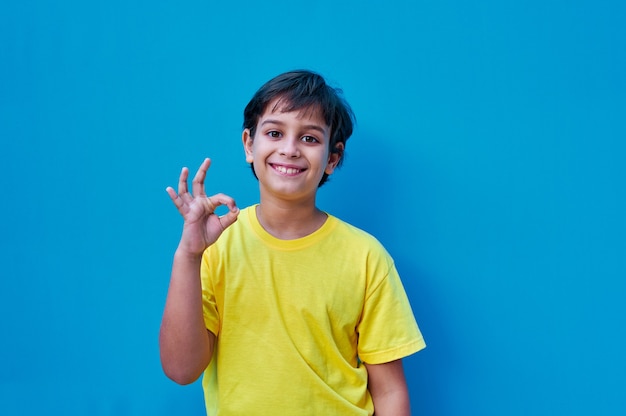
229 218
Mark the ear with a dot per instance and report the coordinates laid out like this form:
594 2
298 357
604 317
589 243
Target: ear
334 158
246 138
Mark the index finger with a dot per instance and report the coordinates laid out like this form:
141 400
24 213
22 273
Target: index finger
198 180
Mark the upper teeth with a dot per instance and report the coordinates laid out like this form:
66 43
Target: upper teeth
289 171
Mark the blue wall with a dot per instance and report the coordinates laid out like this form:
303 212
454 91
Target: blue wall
489 159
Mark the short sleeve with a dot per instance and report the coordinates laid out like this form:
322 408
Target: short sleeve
388 330
209 303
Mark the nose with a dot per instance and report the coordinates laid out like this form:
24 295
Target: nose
289 147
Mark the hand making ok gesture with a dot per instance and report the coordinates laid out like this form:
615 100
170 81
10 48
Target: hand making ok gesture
202 225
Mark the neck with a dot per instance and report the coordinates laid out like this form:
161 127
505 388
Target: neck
289 220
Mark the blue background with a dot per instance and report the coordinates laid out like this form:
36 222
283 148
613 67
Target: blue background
488 159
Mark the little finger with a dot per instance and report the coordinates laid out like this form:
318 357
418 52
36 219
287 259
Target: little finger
174 196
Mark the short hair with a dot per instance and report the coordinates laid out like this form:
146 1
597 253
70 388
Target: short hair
301 90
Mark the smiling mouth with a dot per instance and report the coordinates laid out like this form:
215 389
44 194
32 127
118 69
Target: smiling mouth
287 170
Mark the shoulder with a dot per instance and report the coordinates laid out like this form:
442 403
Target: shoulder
358 234
359 242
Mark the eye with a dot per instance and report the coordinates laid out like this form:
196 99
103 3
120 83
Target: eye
309 139
274 134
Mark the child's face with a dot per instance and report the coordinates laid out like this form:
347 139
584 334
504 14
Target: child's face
290 152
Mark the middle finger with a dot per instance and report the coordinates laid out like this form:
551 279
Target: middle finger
198 180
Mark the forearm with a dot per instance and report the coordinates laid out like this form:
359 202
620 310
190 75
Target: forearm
185 344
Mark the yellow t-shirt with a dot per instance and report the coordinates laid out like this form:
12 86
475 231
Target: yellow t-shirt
295 319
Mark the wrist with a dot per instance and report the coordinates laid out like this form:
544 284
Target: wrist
183 253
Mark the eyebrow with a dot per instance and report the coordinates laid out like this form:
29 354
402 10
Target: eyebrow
306 127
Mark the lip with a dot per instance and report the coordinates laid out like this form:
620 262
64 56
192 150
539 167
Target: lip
287 170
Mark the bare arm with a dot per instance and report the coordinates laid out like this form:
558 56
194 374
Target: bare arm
387 386
186 345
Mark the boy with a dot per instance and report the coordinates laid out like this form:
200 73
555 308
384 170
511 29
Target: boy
283 307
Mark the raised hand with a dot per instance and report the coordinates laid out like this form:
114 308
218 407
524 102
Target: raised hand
202 225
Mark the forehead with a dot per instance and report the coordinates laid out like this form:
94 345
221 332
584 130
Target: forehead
279 106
